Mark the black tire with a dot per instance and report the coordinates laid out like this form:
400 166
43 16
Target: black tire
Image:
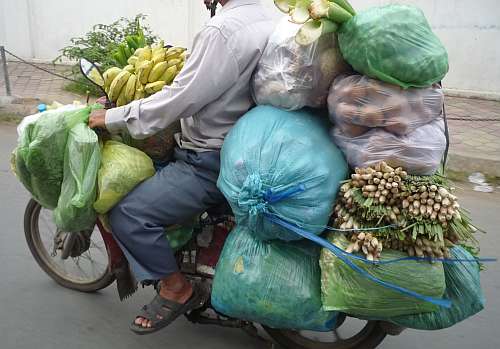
368 338
32 234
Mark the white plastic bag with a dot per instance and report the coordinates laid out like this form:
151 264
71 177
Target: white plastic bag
357 103
291 76
420 152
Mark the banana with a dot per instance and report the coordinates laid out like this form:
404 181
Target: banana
174 62
130 68
133 60
144 70
117 85
154 87
139 94
146 54
183 55
169 75
122 99
157 71
138 52
130 88
180 66
109 76
159 57
158 47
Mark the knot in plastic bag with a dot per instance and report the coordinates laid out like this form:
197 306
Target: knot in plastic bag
252 197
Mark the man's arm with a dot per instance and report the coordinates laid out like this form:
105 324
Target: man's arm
209 72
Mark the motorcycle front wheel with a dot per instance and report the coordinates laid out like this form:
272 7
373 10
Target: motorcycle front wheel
351 334
84 268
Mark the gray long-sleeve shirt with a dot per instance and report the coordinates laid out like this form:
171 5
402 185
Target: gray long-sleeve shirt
213 90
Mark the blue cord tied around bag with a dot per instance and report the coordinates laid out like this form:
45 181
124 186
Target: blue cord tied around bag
344 256
256 200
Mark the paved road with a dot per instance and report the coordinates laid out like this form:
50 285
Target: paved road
36 313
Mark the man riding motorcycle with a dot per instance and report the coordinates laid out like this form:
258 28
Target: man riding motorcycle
208 96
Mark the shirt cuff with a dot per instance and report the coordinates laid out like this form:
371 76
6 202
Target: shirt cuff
115 119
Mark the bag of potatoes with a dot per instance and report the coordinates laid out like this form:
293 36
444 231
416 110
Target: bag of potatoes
357 103
420 152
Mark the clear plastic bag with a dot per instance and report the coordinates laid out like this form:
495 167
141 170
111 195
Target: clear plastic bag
271 152
463 288
39 157
74 211
394 43
273 283
346 290
291 76
419 152
357 103
122 169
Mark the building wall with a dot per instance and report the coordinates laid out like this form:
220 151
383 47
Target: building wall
37 29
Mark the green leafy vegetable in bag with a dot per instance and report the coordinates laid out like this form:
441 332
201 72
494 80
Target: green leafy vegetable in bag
463 288
273 283
394 43
39 157
122 169
346 290
75 210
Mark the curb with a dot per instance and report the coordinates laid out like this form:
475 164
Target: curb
466 164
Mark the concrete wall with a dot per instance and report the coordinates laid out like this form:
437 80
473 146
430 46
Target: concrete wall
37 29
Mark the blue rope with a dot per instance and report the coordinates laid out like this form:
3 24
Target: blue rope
342 255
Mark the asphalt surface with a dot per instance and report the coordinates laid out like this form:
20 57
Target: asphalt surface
37 313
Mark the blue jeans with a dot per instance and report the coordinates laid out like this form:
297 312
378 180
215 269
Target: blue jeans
185 187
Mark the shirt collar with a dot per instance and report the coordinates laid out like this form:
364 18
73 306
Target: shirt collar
237 3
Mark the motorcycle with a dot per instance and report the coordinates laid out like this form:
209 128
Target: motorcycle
89 261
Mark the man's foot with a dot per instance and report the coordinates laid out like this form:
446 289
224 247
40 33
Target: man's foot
173 300
174 288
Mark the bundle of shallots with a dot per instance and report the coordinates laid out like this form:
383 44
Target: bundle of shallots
384 207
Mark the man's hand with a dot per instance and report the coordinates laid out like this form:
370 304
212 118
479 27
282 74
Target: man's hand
98 119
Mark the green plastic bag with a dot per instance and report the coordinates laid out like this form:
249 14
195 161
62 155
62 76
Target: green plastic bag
122 169
75 211
394 43
39 157
463 288
274 283
344 289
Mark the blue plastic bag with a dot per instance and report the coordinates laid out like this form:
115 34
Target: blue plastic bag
463 288
283 163
274 283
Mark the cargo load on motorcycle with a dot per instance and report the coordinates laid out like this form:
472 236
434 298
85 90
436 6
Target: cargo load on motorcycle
335 179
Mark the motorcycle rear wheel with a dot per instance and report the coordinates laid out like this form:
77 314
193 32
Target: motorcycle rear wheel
370 336
99 279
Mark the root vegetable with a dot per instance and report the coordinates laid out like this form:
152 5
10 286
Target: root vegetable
437 206
416 204
385 192
443 192
370 188
356 176
395 184
405 203
361 236
433 188
423 189
376 181
446 202
382 199
430 202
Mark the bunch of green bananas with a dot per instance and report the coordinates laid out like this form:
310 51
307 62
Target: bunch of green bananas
148 70
127 48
